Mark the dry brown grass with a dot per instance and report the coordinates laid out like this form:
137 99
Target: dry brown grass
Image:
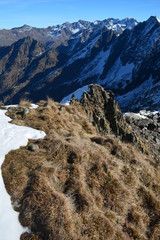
80 184
25 103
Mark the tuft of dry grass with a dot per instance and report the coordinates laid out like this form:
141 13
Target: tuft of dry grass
24 103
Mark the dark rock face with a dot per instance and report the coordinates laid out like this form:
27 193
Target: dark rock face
22 64
147 124
105 113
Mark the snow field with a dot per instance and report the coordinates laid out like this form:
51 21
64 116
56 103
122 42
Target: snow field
11 138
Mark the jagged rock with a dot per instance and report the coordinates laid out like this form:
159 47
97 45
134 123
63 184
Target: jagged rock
22 112
146 124
158 141
104 112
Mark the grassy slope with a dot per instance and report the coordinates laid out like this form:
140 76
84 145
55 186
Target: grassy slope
80 184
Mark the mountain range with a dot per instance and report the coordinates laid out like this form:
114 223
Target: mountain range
120 55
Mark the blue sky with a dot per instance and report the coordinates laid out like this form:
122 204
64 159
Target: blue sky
43 13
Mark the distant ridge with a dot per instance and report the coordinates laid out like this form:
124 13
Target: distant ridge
66 30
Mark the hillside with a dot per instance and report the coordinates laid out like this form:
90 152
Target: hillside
92 177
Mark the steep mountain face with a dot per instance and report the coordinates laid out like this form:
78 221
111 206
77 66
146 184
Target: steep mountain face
50 71
21 63
85 179
122 56
129 66
147 124
134 74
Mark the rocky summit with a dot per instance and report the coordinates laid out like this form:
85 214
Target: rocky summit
94 176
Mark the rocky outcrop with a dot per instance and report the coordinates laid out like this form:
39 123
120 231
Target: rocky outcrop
104 112
147 124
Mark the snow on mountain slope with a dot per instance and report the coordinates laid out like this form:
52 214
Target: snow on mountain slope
11 137
84 51
132 49
97 64
158 19
76 94
25 28
132 98
119 75
145 96
115 24
120 25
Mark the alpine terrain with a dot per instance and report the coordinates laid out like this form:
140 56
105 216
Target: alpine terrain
120 55
83 163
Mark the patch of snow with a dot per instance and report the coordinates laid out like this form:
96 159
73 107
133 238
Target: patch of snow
84 52
158 19
100 61
147 113
33 106
95 22
74 31
120 25
81 26
96 66
56 29
119 73
77 95
25 29
155 112
50 34
15 105
135 115
133 96
9 225
143 114
39 54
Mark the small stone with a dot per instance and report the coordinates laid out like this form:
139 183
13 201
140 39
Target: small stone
61 108
158 141
25 111
13 117
10 110
33 148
